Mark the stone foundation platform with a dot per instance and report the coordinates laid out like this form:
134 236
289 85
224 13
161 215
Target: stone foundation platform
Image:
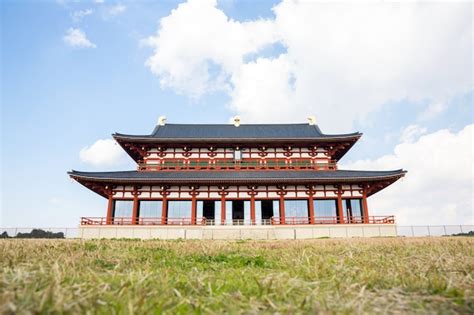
287 232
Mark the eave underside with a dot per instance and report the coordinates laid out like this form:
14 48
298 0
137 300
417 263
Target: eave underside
101 183
136 148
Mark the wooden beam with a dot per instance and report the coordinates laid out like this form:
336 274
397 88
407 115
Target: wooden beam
164 210
110 207
365 207
193 209
282 209
339 205
223 209
135 206
252 209
311 209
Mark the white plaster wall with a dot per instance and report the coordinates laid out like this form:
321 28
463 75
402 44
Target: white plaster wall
183 192
260 194
331 194
173 195
319 194
231 195
214 195
170 153
272 194
356 193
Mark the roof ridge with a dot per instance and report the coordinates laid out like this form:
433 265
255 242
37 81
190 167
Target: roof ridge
72 172
232 125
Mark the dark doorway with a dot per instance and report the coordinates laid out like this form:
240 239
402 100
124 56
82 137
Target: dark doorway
209 209
267 209
237 210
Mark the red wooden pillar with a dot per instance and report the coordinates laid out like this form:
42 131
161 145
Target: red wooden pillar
311 209
193 209
252 209
339 205
365 208
164 210
223 193
135 206
282 208
223 209
110 207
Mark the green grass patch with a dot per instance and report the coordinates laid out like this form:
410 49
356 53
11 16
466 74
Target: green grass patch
383 275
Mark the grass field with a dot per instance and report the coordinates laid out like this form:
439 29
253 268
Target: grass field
393 275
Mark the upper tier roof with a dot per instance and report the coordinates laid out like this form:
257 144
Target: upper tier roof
245 132
251 134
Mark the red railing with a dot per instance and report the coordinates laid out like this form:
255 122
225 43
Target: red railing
373 219
140 221
251 164
203 221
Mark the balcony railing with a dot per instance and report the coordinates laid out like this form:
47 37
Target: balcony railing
203 221
209 164
334 220
139 221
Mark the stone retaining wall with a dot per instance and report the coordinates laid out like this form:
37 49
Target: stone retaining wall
238 232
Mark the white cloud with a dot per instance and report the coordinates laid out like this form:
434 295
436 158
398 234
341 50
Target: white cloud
348 59
411 133
265 84
104 152
439 185
79 15
185 56
77 39
433 110
116 9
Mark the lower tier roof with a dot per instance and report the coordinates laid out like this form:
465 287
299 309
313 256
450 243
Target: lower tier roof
238 177
234 176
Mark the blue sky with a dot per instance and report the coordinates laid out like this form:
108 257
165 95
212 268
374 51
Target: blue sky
58 99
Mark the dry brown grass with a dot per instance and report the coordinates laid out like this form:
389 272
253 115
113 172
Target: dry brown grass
392 275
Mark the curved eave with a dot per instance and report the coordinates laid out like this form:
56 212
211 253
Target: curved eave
126 140
375 182
159 140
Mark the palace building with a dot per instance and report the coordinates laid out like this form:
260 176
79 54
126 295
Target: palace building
193 178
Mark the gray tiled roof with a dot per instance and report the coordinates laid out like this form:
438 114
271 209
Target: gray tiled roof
239 176
245 131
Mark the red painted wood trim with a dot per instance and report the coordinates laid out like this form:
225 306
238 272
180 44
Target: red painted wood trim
223 209
252 209
193 209
282 209
311 209
110 206
339 205
365 207
135 206
155 188
164 210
